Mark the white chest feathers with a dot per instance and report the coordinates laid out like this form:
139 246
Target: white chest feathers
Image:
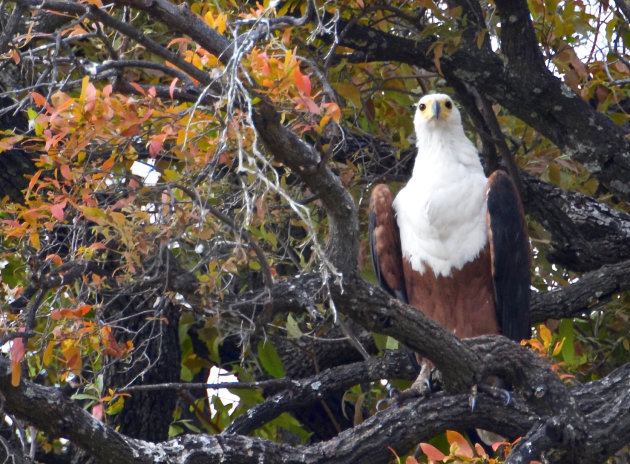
441 213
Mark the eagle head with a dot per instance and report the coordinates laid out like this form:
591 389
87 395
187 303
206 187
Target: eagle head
436 110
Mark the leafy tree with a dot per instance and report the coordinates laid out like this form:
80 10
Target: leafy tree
184 187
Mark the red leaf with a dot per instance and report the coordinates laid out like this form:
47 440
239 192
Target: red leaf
139 89
432 452
17 354
463 447
97 411
155 147
57 210
302 82
171 88
18 349
66 172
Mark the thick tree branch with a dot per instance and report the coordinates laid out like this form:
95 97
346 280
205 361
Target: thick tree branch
302 158
181 18
586 233
572 124
593 289
400 427
307 391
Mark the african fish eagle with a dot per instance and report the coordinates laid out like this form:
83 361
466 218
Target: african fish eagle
453 243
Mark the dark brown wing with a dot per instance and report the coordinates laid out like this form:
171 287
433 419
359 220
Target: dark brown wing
385 242
509 251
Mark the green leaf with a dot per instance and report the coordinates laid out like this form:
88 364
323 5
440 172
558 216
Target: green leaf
565 331
270 360
174 430
84 396
12 272
116 406
391 344
292 327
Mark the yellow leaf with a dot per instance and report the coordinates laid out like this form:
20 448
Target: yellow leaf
72 356
545 335
48 352
554 174
558 347
116 406
34 239
349 92
84 87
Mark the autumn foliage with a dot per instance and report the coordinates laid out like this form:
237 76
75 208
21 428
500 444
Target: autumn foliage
159 226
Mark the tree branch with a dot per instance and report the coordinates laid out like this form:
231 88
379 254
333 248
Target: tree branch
593 289
289 149
586 233
308 391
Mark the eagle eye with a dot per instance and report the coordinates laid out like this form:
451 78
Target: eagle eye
422 107
448 104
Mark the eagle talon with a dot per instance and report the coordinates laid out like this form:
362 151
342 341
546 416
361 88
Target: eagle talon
383 404
421 387
498 392
473 398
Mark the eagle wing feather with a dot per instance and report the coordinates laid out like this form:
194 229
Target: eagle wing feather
509 251
385 242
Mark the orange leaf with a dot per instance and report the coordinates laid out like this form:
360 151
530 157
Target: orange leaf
18 349
139 89
32 182
432 452
109 163
112 348
333 110
16 373
480 451
463 447
82 310
7 143
55 259
155 147
438 51
302 82
38 98
61 313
